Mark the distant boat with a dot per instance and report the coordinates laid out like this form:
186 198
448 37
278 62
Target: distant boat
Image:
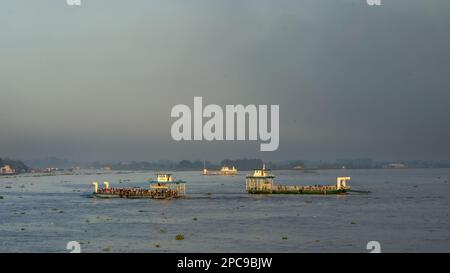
397 165
228 171
303 169
225 170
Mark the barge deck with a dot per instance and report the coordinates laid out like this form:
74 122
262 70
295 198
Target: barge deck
164 187
262 182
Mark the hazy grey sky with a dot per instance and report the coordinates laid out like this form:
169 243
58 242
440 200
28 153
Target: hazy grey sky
98 81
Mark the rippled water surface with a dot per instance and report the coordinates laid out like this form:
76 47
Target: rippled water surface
407 211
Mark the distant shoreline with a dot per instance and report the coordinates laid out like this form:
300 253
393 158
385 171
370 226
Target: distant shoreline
240 172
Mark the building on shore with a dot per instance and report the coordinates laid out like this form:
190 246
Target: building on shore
7 170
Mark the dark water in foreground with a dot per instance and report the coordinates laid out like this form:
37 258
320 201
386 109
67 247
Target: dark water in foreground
407 211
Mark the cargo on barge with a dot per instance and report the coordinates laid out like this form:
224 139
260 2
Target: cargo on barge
262 182
164 187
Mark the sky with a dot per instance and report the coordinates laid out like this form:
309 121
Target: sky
98 81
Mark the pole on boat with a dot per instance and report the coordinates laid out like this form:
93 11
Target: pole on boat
205 171
95 183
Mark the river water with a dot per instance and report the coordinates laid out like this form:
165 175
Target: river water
406 211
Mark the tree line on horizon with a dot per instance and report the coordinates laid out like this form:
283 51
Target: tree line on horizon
240 164
250 164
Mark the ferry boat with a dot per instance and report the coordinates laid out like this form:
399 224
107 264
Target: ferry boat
262 182
225 170
164 187
228 171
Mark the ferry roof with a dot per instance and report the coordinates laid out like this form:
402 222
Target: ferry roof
260 177
167 182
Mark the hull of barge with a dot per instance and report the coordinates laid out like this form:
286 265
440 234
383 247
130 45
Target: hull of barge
297 192
100 195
